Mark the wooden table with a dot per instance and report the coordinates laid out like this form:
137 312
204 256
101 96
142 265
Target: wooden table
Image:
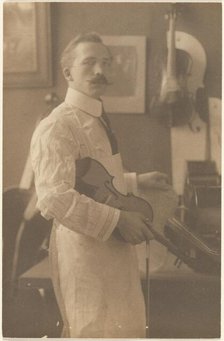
39 275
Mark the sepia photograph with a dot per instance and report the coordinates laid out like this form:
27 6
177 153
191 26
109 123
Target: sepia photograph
111 186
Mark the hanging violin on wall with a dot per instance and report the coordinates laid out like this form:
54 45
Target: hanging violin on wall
175 101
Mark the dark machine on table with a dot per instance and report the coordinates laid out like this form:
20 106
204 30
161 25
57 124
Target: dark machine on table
198 235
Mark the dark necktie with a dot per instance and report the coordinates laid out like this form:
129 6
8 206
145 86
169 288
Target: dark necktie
111 136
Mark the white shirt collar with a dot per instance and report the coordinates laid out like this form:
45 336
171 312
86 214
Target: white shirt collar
88 104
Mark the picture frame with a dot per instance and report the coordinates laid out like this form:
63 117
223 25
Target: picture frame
26 45
126 93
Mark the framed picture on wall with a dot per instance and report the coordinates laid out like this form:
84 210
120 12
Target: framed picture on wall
26 44
126 93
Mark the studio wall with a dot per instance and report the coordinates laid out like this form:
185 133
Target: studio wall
144 141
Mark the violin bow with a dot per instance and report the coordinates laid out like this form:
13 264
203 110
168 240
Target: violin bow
147 299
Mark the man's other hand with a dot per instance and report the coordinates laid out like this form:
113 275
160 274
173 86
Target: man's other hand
134 227
155 180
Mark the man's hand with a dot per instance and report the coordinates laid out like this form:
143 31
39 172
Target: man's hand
154 180
134 227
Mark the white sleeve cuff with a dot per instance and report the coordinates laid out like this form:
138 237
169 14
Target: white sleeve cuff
112 217
131 182
102 219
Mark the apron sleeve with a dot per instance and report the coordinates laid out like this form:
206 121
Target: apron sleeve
54 150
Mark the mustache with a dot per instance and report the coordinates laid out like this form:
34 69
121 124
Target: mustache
100 80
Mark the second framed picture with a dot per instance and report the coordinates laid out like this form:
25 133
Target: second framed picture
126 93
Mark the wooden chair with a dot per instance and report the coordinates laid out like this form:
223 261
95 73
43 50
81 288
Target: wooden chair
25 243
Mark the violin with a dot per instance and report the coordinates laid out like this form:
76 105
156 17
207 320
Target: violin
175 101
95 181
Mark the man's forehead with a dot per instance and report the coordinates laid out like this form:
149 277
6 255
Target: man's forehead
92 49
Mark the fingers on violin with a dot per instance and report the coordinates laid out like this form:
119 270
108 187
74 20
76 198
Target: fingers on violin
139 237
148 234
137 241
147 222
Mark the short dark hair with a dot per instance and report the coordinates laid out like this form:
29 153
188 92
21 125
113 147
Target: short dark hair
67 57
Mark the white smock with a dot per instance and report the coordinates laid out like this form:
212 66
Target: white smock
96 279
98 283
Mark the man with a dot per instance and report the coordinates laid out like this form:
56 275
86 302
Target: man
95 273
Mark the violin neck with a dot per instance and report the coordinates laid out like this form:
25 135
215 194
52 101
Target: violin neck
171 58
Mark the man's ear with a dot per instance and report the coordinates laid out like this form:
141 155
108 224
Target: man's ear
67 74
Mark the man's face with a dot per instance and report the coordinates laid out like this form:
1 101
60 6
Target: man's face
91 69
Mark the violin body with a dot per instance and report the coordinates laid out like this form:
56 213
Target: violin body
97 183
